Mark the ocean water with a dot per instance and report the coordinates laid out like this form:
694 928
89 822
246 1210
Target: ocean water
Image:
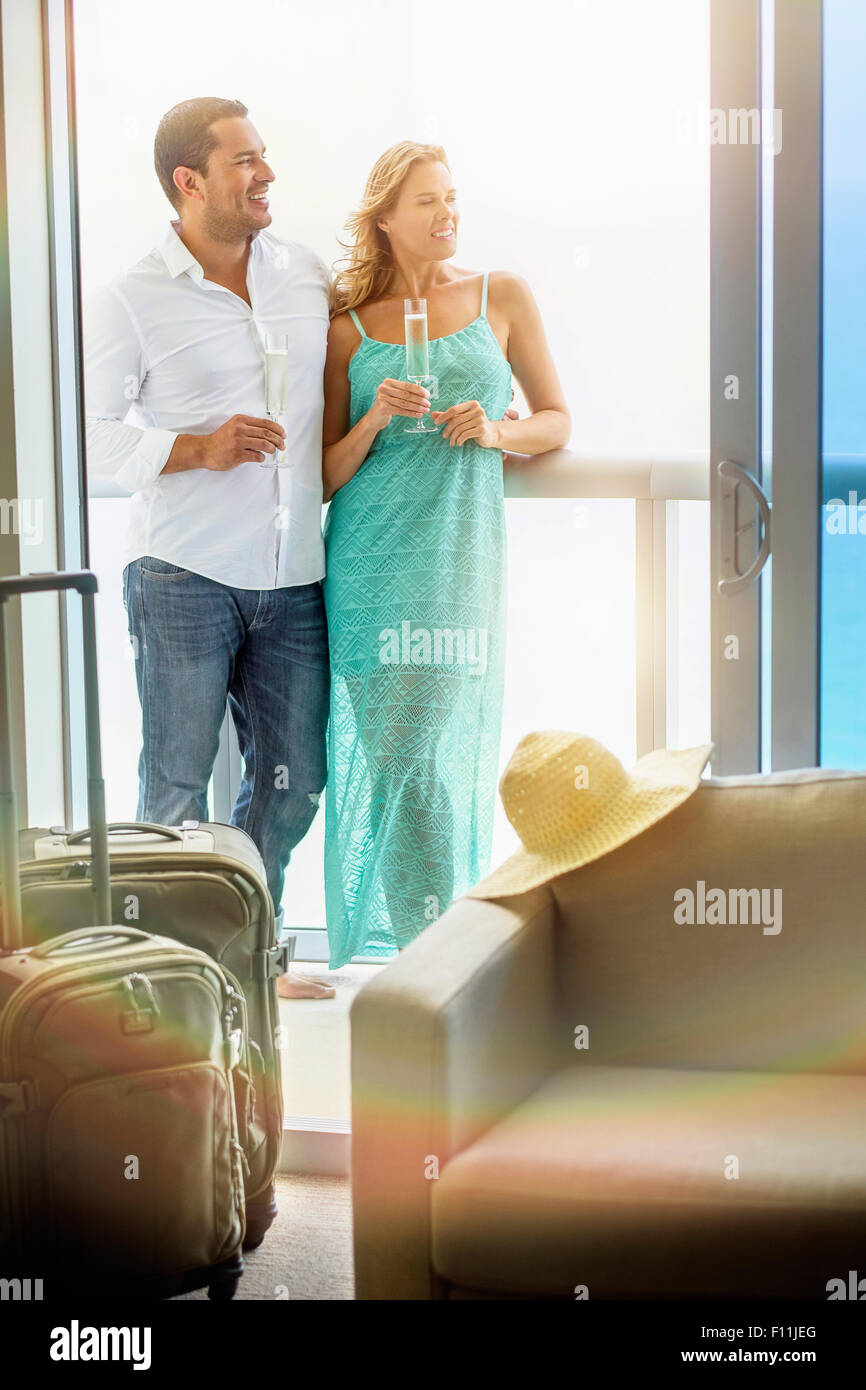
843 563
843 645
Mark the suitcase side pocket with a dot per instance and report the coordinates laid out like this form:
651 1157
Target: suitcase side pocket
143 1170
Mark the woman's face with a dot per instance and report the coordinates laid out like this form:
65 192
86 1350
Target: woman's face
423 224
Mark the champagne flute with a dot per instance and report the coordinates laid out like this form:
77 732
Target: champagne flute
276 389
418 359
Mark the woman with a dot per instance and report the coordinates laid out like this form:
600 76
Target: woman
415 540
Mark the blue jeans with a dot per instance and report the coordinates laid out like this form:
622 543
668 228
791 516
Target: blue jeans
199 644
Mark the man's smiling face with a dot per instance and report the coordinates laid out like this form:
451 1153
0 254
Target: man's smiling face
234 190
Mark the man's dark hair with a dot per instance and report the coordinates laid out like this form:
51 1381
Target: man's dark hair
184 137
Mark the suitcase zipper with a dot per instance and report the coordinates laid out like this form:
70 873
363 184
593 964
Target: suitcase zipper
60 872
236 993
134 1024
168 867
51 980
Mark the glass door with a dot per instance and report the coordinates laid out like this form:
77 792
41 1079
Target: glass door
788 384
842 708
739 510
795 32
819 387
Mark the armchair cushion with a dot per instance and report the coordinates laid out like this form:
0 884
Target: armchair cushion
621 1179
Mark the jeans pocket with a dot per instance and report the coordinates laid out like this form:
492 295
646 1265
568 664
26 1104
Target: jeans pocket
152 568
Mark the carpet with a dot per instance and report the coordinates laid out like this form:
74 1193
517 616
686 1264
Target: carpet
307 1253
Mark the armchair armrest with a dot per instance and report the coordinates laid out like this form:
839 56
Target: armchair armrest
445 1041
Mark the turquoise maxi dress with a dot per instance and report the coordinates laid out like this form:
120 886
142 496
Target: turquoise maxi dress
415 594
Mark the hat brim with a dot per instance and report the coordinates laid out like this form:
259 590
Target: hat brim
659 783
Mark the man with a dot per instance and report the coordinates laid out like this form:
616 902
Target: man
224 556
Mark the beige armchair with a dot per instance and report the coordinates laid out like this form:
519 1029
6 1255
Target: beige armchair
576 1092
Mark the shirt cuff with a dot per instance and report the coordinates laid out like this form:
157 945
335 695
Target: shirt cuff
144 466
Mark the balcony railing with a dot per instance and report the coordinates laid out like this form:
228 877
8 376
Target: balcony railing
655 485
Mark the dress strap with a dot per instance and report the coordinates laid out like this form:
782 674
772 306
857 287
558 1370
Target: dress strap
357 322
483 313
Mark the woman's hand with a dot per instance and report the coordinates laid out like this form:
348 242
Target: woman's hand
466 421
398 398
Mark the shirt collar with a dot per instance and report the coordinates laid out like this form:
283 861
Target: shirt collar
178 257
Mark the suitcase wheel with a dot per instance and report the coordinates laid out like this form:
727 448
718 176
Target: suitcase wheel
224 1288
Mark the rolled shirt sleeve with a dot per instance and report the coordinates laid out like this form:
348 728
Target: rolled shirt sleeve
114 370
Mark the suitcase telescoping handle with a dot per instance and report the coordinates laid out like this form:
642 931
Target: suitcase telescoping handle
84 581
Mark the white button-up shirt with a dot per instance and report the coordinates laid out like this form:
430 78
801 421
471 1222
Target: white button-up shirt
168 352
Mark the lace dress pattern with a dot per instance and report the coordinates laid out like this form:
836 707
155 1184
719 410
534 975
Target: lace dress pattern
415 595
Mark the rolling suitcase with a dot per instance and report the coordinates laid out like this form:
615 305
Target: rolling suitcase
121 1170
202 884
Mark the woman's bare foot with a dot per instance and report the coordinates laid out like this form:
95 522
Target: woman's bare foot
294 986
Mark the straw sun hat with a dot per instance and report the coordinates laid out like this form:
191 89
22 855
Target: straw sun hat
571 801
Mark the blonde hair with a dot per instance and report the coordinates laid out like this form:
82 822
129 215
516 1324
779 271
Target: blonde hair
369 266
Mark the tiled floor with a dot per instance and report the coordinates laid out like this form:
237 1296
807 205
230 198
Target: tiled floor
317 1054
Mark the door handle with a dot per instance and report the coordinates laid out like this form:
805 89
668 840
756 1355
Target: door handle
732 582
